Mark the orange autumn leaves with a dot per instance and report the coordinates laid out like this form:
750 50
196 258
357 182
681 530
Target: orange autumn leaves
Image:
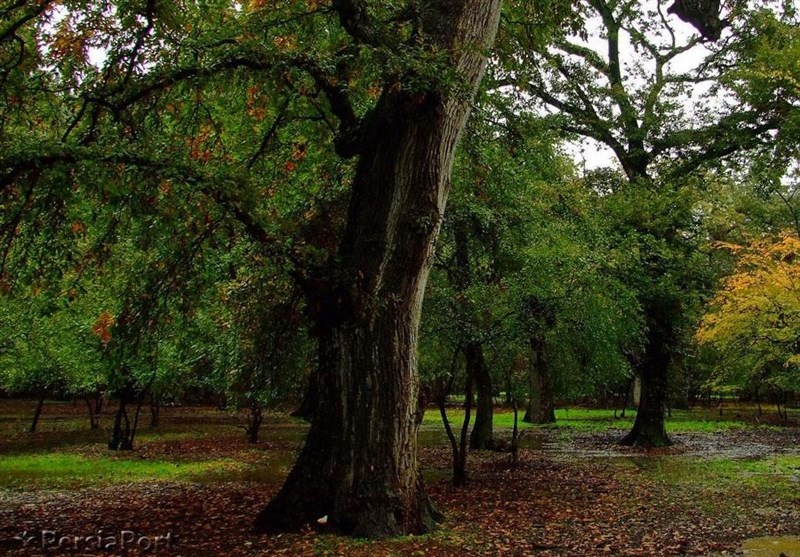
102 327
754 319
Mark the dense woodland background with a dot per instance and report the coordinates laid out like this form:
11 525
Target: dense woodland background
241 204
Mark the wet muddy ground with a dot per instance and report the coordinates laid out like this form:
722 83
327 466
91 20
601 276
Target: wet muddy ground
731 491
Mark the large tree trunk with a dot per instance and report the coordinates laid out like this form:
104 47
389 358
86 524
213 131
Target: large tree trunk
541 405
359 466
648 428
482 432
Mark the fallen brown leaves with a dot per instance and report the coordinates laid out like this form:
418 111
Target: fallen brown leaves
552 504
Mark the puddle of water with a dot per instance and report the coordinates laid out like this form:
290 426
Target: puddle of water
429 437
536 442
772 547
437 437
274 468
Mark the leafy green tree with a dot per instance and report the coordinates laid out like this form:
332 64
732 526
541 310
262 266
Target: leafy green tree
666 125
49 349
264 350
208 116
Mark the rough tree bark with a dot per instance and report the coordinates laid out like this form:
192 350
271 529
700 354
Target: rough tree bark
359 466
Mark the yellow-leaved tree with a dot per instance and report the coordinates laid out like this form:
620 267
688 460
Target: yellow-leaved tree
753 322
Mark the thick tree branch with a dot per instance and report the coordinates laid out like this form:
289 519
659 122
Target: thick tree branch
637 156
356 20
120 98
36 9
217 187
714 143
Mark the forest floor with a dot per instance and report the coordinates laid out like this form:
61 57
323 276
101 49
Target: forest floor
572 493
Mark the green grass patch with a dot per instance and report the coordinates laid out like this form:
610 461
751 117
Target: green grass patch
600 420
65 470
778 475
502 419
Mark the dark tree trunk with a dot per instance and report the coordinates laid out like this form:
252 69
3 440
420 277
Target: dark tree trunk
120 433
458 478
482 432
626 396
135 422
512 401
515 434
98 403
758 403
37 414
457 445
460 468
254 420
124 431
648 428
541 406
155 412
477 372
93 417
359 466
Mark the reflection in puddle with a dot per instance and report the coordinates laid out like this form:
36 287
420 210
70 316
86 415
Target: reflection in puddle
772 547
533 440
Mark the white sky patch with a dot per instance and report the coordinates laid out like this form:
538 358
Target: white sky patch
637 67
589 155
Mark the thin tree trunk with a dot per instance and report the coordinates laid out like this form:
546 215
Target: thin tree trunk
477 371
441 403
119 431
460 471
515 434
155 412
37 414
129 445
93 418
758 403
359 466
